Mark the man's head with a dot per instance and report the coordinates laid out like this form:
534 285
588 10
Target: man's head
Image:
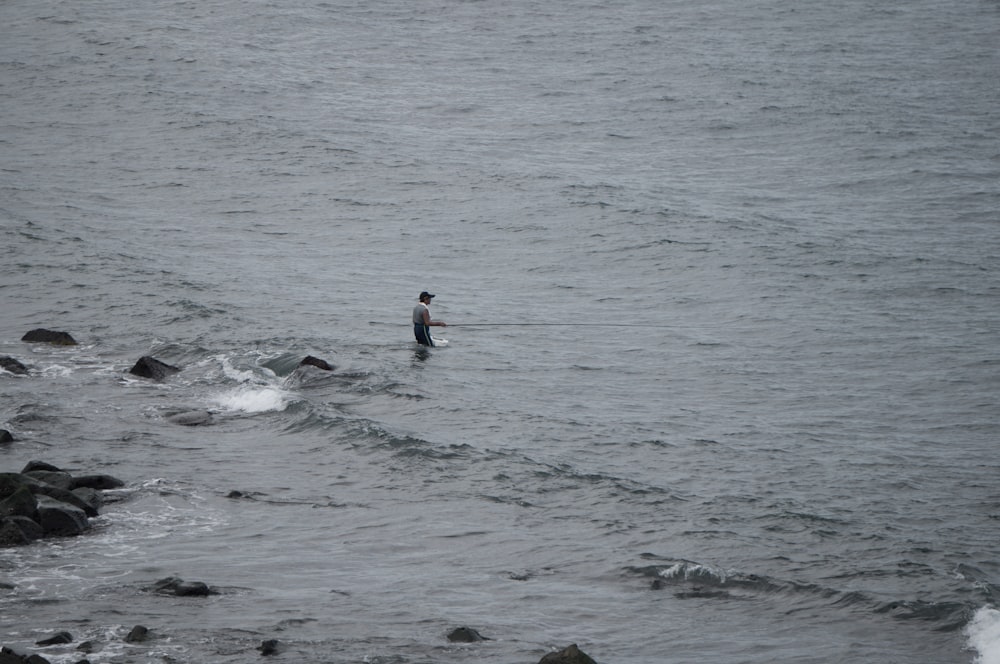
425 297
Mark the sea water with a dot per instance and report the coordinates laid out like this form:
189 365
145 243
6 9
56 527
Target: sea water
721 286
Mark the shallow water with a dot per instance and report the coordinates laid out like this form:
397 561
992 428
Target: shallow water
720 283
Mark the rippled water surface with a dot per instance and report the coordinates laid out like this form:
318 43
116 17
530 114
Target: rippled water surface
721 285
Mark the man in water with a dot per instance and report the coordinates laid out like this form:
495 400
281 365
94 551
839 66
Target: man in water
422 321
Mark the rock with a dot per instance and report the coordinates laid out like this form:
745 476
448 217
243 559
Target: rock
137 635
63 495
150 367
56 478
91 499
8 363
269 647
59 518
5 436
56 639
11 656
49 337
97 482
182 588
192 418
39 465
571 655
465 635
20 501
311 361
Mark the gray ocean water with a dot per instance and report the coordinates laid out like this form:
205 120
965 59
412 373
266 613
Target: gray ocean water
721 282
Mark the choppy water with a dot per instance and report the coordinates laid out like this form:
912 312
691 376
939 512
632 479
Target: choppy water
752 414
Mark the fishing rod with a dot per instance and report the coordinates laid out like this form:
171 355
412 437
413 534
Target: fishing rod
569 325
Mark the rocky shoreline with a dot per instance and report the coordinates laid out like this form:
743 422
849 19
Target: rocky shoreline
43 501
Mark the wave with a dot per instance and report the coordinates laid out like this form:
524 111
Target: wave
983 632
691 580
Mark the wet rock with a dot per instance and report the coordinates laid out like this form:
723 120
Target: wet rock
465 635
56 639
5 436
269 647
96 482
17 500
49 337
175 586
8 363
150 367
191 418
310 361
40 488
39 465
570 655
60 519
12 656
91 500
56 478
137 635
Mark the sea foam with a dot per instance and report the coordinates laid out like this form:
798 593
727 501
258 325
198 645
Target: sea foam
984 635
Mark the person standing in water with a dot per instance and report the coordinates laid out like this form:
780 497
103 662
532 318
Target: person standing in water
422 320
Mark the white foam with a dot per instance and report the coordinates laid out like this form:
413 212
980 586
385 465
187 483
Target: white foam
253 399
984 635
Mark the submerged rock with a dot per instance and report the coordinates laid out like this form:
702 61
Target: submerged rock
49 337
150 367
269 647
137 635
56 639
310 361
5 436
569 655
175 586
465 635
191 418
11 656
10 364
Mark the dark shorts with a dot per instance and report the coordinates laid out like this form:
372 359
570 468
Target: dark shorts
423 334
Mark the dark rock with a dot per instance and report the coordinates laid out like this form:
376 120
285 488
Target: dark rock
59 518
91 499
5 436
150 367
11 534
571 655
182 588
11 656
56 478
56 639
192 418
86 646
311 361
137 635
98 482
21 501
269 647
10 364
465 635
49 337
60 494
39 465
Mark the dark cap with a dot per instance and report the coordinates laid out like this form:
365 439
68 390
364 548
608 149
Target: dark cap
426 295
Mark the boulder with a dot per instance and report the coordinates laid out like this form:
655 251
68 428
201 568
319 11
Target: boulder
191 418
97 482
10 364
175 586
59 518
49 337
269 647
137 635
57 478
56 639
39 465
310 361
465 635
5 436
19 530
150 367
570 655
58 493
20 501
11 656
